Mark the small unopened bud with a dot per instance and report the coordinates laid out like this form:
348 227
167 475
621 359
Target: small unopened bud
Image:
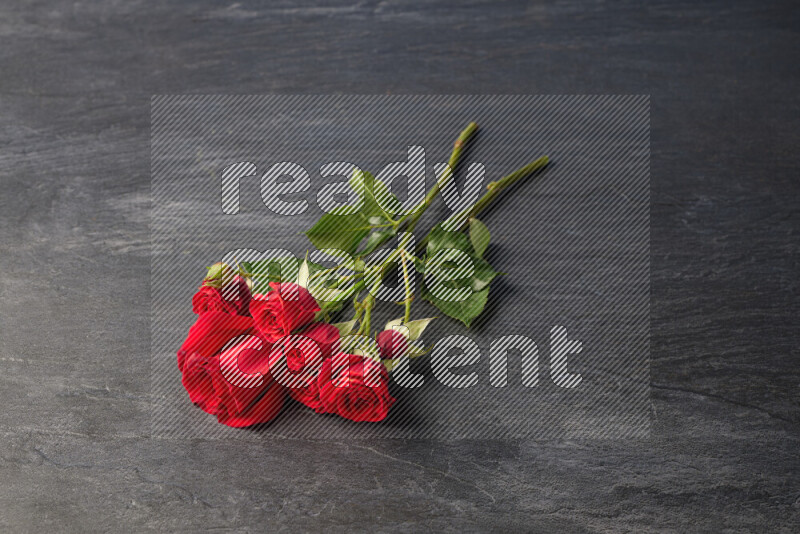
246 274
218 275
392 344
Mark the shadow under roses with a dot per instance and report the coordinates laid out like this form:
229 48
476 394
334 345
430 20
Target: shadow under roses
407 418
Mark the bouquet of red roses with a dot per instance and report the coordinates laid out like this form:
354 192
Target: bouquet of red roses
262 335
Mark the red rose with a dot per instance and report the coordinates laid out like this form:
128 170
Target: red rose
246 407
326 336
211 332
226 384
299 362
198 379
392 344
308 395
210 299
355 387
233 298
248 394
281 311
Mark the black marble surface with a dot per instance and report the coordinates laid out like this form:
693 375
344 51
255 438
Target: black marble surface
75 87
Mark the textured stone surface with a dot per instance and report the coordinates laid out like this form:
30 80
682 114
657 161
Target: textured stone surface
74 298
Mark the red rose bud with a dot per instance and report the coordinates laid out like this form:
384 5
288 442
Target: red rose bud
238 293
233 298
283 310
222 290
355 388
392 344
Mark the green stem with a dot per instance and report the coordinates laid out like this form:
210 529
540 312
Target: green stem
369 301
494 189
458 148
414 216
409 294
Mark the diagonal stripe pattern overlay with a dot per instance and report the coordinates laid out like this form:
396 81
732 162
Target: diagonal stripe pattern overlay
571 316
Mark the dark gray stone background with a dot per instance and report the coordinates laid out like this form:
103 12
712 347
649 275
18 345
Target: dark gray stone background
75 87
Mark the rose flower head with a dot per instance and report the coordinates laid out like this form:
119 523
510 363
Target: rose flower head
355 387
284 309
222 290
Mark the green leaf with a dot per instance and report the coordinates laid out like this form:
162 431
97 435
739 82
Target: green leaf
345 328
285 269
479 236
415 328
412 330
380 205
303 274
478 283
323 293
483 275
393 322
378 200
415 350
377 238
344 231
465 310
361 346
327 308
440 239
330 284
